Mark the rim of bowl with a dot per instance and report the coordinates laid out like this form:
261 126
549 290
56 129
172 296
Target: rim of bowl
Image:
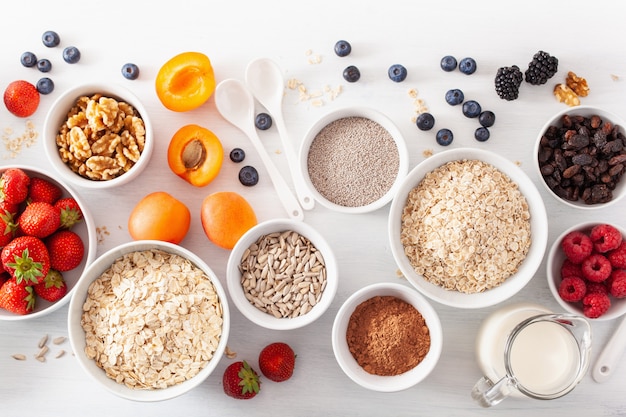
76 333
380 383
539 231
90 244
58 114
355 111
620 189
267 320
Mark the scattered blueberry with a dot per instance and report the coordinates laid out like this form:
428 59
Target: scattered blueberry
44 65
444 137
471 109
237 155
71 55
45 85
50 39
467 66
248 176
486 118
343 48
263 121
351 74
481 134
454 97
425 121
448 63
130 71
397 73
28 59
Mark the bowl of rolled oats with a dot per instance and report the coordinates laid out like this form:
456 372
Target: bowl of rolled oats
468 228
149 321
98 136
282 274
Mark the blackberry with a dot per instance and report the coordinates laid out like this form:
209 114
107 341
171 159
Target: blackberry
508 80
541 68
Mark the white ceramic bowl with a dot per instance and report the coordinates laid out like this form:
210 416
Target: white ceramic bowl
58 115
538 226
555 261
351 367
77 334
367 113
237 293
86 229
587 111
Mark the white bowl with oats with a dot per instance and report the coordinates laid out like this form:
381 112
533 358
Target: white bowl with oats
98 136
282 274
149 321
468 228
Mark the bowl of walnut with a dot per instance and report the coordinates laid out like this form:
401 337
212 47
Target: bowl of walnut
580 156
468 228
98 136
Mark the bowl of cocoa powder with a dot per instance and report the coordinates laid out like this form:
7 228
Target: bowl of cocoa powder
581 157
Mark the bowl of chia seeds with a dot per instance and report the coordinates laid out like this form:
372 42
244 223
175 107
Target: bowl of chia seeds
353 159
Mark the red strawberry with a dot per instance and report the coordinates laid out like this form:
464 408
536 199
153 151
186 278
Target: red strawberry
70 212
277 361
14 184
53 287
43 190
17 298
10 207
7 227
26 258
4 277
240 381
39 219
66 250
21 98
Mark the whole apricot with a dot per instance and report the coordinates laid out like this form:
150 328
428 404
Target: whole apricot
225 217
159 216
185 82
195 154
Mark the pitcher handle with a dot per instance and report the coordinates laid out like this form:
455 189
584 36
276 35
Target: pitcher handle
488 394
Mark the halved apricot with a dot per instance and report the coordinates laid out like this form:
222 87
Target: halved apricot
185 82
195 154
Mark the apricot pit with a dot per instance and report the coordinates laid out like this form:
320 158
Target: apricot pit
195 154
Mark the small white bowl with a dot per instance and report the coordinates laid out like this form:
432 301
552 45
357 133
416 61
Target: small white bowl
348 363
86 229
556 120
58 115
553 273
538 227
77 334
267 320
367 113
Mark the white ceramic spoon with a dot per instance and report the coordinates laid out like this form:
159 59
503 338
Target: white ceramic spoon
265 80
610 355
236 104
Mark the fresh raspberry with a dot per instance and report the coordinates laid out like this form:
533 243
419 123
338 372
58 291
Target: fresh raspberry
617 257
605 238
593 287
617 283
572 289
577 246
595 305
569 268
596 268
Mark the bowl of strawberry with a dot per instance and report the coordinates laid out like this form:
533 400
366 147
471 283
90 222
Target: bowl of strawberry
586 270
47 238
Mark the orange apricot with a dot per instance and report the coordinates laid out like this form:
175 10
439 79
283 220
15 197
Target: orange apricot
159 216
185 82
225 217
195 154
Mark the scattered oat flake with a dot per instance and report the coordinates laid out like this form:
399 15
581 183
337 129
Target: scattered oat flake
413 93
14 144
229 353
101 233
615 77
427 152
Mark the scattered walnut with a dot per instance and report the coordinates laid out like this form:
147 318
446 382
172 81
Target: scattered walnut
577 84
566 95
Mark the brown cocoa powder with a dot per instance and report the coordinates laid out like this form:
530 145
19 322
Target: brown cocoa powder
387 336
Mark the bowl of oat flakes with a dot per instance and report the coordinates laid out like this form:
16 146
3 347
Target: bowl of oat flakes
98 136
149 321
468 228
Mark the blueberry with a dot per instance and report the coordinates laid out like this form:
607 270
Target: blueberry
467 66
486 118
351 74
130 71
44 65
471 109
45 85
448 63
263 121
454 97
425 121
28 59
71 55
237 155
343 48
444 137
50 38
248 176
481 134
397 73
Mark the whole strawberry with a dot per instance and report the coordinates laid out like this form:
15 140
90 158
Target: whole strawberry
240 381
7 227
43 190
66 250
21 98
70 212
26 258
17 298
39 219
10 207
14 184
277 361
53 287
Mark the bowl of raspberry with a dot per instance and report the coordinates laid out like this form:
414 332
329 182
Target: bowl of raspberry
586 270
